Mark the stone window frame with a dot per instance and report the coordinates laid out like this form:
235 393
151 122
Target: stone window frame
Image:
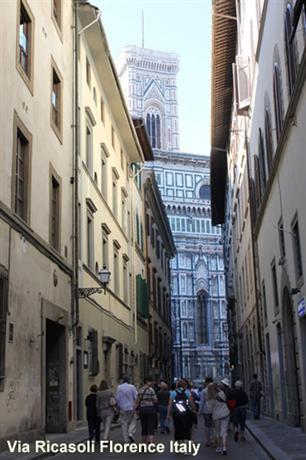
27 78
57 128
105 244
57 21
297 252
57 178
90 238
18 125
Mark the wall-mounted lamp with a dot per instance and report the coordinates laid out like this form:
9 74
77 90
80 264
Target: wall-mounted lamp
104 276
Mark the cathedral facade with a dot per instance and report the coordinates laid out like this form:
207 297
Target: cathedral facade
199 310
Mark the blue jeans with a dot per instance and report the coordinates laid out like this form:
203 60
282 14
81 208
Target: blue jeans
255 404
162 410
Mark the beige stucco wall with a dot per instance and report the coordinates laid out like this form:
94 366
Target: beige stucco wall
25 251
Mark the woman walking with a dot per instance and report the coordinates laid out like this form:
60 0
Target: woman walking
106 404
182 408
163 400
146 406
203 409
216 403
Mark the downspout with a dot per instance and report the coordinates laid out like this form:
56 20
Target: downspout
255 265
75 200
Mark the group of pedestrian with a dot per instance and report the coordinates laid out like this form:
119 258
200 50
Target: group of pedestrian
219 404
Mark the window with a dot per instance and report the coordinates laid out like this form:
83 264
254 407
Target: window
89 148
268 139
125 281
102 110
57 12
290 48
153 124
88 72
274 286
93 362
204 192
257 181
262 163
21 171
56 101
103 174
116 277
297 249
113 137
281 238
3 321
115 195
105 250
25 42
123 212
55 213
277 95
90 239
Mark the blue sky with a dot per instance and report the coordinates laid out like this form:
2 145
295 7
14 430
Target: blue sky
181 26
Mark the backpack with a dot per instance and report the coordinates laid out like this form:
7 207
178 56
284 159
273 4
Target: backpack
181 405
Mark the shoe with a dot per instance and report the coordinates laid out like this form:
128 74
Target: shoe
219 450
224 452
236 436
162 432
131 438
242 437
167 429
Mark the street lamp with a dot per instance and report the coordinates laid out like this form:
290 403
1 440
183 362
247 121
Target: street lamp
104 276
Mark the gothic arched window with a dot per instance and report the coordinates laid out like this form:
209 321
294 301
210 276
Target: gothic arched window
257 181
201 319
204 192
277 94
262 163
268 139
153 124
290 48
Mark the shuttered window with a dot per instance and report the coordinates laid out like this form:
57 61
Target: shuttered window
142 297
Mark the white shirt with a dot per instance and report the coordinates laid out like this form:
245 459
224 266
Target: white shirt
126 396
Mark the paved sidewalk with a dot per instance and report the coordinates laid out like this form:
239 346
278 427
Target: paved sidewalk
280 441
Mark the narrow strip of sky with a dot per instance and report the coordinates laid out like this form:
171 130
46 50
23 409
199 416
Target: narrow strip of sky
179 26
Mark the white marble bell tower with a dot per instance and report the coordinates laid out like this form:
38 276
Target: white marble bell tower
148 79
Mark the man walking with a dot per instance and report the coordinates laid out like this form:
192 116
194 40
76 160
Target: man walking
126 396
255 396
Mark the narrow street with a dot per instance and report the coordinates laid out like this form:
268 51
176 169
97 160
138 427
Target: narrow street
236 451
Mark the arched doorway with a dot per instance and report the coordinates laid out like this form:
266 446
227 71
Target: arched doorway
291 372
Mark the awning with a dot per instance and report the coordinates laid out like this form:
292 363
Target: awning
224 31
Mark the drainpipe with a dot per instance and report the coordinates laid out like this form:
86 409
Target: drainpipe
75 201
255 265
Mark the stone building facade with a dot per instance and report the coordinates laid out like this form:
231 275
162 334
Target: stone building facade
266 123
36 255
